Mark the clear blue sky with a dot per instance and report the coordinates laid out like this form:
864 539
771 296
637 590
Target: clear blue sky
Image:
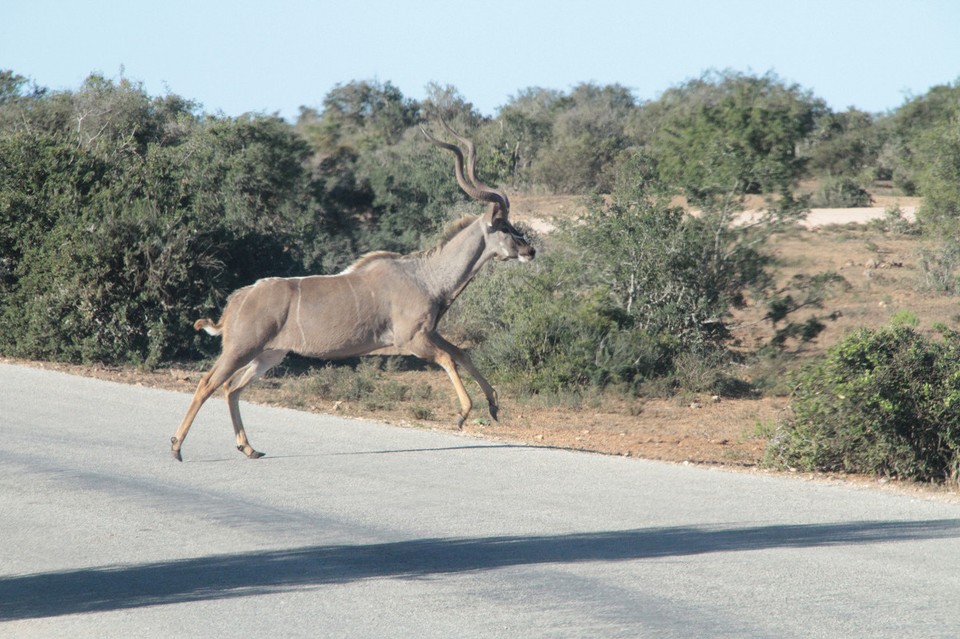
274 56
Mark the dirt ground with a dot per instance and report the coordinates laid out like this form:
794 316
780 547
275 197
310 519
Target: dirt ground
883 279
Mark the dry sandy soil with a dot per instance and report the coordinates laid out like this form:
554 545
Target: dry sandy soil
881 269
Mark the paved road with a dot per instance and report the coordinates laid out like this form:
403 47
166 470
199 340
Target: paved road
357 529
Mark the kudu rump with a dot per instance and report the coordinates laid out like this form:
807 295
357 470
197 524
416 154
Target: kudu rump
383 299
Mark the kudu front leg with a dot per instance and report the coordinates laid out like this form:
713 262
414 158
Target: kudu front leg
461 358
428 346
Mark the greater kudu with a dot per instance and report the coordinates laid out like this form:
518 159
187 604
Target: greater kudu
383 299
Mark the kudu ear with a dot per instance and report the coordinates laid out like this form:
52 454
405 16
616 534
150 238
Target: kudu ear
497 213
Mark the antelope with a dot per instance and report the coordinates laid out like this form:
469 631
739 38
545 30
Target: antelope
383 299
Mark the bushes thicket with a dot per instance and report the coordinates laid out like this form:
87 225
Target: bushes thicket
124 217
626 292
884 401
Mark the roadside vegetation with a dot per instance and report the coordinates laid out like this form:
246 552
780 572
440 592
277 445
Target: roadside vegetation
125 216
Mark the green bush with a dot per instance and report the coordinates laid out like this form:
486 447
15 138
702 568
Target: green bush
732 132
113 243
542 328
884 401
620 296
840 192
844 144
586 139
918 138
938 266
938 178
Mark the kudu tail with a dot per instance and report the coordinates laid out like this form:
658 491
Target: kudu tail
209 326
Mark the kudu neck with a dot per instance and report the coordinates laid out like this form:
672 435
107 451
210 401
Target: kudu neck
450 267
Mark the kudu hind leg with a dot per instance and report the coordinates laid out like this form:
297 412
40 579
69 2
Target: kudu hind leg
210 382
235 385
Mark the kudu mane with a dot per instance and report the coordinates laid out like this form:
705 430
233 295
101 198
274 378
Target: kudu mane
450 231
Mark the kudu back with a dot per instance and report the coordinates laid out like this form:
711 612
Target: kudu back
383 299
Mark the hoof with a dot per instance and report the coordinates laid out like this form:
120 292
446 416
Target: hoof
175 451
460 420
252 454
494 409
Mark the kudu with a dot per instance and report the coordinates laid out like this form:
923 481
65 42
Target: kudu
383 299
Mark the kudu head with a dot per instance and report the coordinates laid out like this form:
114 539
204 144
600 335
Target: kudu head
506 242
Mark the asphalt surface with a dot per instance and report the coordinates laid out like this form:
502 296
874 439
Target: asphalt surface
356 529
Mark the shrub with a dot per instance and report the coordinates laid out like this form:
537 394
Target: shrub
938 267
938 178
840 192
543 328
883 401
112 246
844 144
636 291
727 132
895 222
920 150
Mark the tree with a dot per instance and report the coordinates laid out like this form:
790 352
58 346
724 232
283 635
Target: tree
903 155
588 137
124 217
362 115
938 177
414 192
733 134
843 144
522 130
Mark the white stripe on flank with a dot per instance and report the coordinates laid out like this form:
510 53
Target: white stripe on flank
303 338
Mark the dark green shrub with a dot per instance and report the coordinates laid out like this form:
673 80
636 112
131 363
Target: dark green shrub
843 144
112 244
883 401
938 178
732 132
840 192
918 142
540 328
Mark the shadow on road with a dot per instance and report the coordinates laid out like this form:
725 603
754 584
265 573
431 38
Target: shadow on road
246 574
392 451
